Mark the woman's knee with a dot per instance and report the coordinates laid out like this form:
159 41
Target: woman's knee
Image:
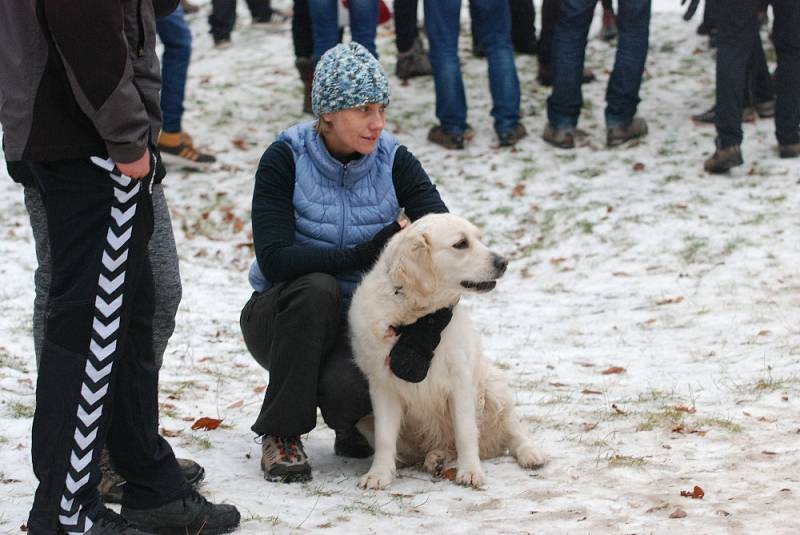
316 292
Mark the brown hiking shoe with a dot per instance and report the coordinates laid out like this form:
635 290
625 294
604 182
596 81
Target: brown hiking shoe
442 138
724 159
617 135
562 139
789 151
413 62
509 139
178 148
112 484
283 459
749 114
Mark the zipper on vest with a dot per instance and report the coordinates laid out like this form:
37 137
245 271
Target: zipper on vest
341 202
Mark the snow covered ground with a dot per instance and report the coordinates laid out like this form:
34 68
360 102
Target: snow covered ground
631 258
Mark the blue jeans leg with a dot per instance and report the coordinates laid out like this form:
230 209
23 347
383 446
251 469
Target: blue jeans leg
442 26
569 50
364 23
622 94
177 39
493 24
324 25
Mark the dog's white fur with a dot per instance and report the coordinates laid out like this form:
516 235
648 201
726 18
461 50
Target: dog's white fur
464 408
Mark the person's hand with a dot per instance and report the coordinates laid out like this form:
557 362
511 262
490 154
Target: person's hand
138 169
411 356
371 249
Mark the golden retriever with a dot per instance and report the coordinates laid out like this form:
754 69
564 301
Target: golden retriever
464 408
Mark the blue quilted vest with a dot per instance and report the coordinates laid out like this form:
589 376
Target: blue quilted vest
336 204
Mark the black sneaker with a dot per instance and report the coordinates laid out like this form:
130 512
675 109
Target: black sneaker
449 141
107 522
617 135
112 484
351 443
510 138
724 159
192 514
283 460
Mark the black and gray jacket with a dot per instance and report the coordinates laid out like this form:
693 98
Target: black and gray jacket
79 78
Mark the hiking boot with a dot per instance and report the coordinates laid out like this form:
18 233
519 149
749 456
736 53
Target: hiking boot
222 43
351 443
188 7
724 159
617 135
749 114
765 109
305 67
178 148
510 138
609 30
275 18
413 62
545 75
442 138
107 522
562 139
789 151
112 484
283 459
192 514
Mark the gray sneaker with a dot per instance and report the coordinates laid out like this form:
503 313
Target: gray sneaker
192 514
283 460
617 135
413 62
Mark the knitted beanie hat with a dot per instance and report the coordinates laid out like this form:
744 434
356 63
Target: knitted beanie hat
348 76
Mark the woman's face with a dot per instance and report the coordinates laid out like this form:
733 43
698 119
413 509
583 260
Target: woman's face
354 129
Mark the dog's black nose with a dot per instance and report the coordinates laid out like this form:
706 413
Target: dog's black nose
500 264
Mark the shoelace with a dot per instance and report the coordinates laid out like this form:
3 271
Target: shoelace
289 447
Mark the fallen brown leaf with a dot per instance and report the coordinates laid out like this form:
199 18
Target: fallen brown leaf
170 432
767 452
613 370
670 301
238 225
678 513
684 408
638 166
558 260
518 191
557 385
236 404
591 392
589 426
260 389
449 473
621 274
206 423
188 418
696 493
239 143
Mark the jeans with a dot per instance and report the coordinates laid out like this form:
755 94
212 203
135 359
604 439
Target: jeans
297 331
739 43
223 15
177 38
325 24
569 50
405 23
494 34
302 38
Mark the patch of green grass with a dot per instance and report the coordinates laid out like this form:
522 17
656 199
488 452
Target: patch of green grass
672 178
21 410
503 210
666 417
723 423
587 227
7 360
373 509
321 491
590 172
625 460
203 442
693 247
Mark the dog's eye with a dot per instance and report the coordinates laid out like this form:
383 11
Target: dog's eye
461 244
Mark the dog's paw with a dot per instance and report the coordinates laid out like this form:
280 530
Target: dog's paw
435 461
375 480
529 456
472 477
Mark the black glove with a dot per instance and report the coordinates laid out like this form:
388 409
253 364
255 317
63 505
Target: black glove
691 9
411 356
369 250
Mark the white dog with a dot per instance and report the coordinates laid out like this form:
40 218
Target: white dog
464 408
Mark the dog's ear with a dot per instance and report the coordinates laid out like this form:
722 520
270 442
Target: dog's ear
411 265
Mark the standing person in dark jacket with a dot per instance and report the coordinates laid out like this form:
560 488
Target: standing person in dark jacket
738 42
327 197
81 115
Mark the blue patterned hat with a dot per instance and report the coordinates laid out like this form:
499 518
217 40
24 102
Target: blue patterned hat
348 76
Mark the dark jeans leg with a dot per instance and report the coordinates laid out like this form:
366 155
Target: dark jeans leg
177 38
405 23
222 18
569 51
442 24
98 342
738 35
324 25
760 85
523 25
549 19
290 329
622 94
786 35
260 9
301 30
364 23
